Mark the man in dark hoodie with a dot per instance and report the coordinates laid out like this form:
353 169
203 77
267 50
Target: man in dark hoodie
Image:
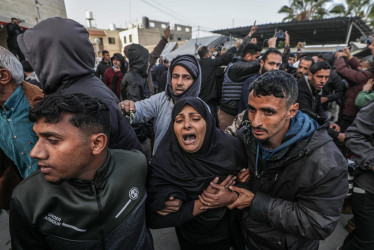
298 177
134 87
113 76
66 65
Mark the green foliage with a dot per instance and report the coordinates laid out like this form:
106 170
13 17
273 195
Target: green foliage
352 8
299 10
280 45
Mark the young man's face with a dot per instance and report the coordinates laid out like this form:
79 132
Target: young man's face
63 150
106 57
269 117
273 62
319 79
181 79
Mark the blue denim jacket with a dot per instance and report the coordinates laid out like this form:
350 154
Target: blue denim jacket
16 135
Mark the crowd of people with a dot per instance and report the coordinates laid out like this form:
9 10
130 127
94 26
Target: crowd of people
234 149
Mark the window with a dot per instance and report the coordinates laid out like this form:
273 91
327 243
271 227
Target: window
124 39
163 26
187 29
130 38
151 24
179 28
111 40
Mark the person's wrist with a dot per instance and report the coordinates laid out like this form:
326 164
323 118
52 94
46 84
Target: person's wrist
234 196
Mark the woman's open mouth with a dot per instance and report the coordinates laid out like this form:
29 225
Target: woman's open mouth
189 138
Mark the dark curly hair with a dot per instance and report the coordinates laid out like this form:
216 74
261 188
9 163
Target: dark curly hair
89 114
277 83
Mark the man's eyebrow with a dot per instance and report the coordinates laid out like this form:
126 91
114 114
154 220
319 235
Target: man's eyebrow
268 110
250 106
181 74
48 134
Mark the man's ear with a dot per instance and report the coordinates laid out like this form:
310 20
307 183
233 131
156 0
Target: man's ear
98 143
5 76
247 57
293 110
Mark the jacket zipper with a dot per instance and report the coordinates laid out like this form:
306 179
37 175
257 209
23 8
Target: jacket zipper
100 207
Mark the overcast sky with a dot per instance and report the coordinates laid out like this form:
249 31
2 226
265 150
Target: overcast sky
208 14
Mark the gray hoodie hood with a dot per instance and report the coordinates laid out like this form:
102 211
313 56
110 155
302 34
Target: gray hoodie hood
190 63
59 51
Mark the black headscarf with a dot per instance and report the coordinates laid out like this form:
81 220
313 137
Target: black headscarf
174 172
182 175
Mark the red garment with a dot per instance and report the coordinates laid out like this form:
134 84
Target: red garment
356 79
108 80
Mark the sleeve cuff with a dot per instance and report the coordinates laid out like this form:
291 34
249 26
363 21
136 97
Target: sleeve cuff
259 207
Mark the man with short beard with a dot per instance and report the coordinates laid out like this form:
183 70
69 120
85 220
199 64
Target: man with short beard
304 66
298 177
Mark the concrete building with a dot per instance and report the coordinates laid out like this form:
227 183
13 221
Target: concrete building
105 40
30 11
149 32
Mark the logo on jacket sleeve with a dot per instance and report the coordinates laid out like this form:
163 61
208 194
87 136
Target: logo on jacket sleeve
134 193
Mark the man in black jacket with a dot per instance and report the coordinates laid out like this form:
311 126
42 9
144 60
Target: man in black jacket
209 88
298 177
14 30
66 66
235 74
359 139
309 97
271 60
85 196
103 65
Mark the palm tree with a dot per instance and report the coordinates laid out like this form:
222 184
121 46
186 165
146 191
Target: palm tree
361 8
299 10
352 8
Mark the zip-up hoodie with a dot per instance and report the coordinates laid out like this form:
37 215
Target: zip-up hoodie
105 213
63 58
